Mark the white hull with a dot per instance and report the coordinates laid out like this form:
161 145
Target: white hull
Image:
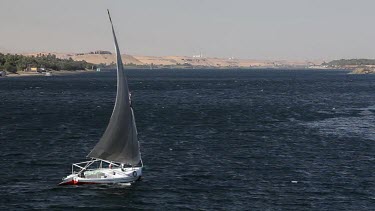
104 176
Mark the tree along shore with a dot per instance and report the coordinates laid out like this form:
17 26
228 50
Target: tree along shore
13 63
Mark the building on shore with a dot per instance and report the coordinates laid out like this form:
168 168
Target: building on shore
100 52
35 69
198 56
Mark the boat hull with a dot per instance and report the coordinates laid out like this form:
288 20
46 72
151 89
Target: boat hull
104 176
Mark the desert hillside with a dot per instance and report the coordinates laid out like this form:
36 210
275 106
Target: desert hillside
108 58
103 58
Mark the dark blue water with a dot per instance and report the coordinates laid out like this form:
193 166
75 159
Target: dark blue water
210 140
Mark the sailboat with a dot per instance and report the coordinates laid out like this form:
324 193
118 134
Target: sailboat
116 158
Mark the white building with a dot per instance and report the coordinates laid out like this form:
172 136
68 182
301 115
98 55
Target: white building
198 56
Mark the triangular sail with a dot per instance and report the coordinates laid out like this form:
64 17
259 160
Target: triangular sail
119 142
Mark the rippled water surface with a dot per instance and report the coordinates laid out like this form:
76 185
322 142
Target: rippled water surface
210 140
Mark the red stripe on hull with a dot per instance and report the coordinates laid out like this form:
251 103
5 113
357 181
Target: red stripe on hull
72 182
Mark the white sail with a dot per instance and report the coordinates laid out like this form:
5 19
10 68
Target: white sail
119 142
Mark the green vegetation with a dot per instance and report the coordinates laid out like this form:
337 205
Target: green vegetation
344 62
13 63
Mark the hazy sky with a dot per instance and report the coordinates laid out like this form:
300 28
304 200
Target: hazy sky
255 29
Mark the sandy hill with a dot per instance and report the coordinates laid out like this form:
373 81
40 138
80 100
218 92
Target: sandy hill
208 62
91 58
179 60
104 58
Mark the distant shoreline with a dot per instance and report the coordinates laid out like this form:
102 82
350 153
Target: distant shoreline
65 72
74 72
37 62
53 73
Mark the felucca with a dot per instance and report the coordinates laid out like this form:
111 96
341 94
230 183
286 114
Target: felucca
116 158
